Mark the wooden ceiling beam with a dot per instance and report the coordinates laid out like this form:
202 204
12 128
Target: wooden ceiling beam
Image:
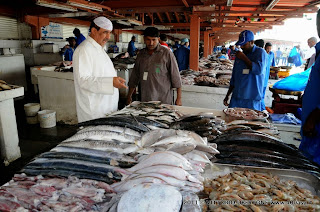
160 18
153 9
185 3
186 17
168 16
70 21
177 17
248 12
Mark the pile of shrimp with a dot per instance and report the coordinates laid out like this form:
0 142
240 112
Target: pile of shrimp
251 191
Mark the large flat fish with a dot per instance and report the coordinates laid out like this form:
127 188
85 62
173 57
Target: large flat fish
153 136
151 198
162 158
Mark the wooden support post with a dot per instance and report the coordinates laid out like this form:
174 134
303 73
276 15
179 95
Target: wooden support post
36 23
210 45
194 42
117 33
206 44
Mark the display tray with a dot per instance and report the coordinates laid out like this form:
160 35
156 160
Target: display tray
231 117
303 179
285 92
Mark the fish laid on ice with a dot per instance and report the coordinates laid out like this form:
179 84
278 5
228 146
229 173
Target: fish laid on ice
182 148
197 156
153 136
98 153
118 129
170 171
76 165
99 145
103 135
151 198
163 158
170 140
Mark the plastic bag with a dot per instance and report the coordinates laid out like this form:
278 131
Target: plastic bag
294 57
295 82
287 118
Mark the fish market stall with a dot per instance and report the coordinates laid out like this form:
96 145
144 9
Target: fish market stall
56 91
149 156
10 149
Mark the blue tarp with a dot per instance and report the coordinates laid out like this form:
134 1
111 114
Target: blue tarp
294 82
287 118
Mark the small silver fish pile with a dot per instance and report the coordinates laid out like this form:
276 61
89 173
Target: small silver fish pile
153 110
37 193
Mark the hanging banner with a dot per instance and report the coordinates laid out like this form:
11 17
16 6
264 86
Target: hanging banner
53 30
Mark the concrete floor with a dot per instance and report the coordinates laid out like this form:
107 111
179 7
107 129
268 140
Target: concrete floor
33 141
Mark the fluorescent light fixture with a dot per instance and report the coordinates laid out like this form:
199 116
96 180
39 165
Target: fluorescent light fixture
55 6
85 6
229 3
135 22
272 4
123 23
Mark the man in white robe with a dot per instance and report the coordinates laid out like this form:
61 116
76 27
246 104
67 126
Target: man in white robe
95 79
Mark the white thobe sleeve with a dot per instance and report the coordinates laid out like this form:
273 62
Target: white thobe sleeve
310 52
83 64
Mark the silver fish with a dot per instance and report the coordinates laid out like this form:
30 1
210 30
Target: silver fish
103 135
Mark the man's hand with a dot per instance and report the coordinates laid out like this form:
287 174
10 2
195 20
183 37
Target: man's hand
309 127
240 55
225 101
178 102
119 82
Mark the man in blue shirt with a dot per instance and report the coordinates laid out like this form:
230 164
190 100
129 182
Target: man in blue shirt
68 54
131 47
248 75
278 56
270 62
182 54
310 130
79 36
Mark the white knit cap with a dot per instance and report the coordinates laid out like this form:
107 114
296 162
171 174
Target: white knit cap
103 22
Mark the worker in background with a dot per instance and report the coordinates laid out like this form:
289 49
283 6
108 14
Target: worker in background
284 57
270 62
278 56
182 54
176 45
156 70
232 52
248 75
311 53
259 43
79 36
163 40
68 53
310 130
131 48
95 79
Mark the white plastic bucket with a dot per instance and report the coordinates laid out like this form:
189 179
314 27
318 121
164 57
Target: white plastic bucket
32 120
47 118
31 109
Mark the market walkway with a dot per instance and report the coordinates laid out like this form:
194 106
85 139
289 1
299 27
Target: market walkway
33 141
